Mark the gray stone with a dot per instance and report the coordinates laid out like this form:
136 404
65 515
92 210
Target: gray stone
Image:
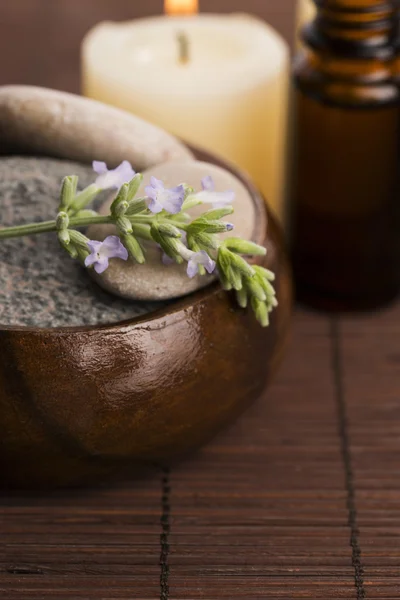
39 121
153 280
39 284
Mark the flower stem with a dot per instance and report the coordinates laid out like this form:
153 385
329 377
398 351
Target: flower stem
46 226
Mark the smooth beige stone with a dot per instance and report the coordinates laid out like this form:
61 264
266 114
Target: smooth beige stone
41 121
154 280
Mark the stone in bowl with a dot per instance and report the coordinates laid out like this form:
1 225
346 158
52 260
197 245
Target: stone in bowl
78 404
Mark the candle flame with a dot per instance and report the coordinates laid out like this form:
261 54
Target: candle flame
181 7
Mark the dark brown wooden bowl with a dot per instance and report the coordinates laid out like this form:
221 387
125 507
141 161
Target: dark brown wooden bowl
77 404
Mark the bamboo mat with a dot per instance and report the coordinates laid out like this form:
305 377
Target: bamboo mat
299 499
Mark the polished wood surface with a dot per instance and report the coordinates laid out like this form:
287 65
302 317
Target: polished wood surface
298 500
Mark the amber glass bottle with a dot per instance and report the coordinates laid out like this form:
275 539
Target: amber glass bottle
346 215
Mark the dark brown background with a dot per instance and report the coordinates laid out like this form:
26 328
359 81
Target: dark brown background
39 39
300 499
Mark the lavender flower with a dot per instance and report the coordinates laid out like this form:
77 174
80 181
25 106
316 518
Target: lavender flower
113 178
199 258
160 198
210 196
101 252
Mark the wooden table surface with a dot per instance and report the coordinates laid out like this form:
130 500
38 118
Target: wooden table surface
299 499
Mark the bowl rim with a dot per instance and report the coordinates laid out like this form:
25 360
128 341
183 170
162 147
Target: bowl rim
177 306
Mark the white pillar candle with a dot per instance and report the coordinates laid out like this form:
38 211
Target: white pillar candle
229 97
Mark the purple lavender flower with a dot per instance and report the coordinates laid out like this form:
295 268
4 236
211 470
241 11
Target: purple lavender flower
210 196
113 178
101 252
199 258
160 198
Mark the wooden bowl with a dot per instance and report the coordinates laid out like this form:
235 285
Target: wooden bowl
77 404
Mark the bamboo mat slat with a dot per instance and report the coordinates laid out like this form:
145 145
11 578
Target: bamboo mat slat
299 499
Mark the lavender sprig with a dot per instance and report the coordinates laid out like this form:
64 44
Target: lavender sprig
160 217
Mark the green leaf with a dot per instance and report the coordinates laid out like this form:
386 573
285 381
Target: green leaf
218 213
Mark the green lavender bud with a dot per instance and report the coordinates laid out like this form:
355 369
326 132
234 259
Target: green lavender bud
192 243
261 311
142 231
120 209
79 243
204 241
134 248
123 225
65 242
241 246
133 186
242 297
202 225
227 286
68 191
263 277
169 230
255 289
136 206
62 221
223 259
235 277
64 237
85 197
266 285
269 275
225 267
241 265
273 302
170 245
79 240
120 198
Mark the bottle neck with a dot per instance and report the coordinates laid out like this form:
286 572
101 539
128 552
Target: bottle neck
365 29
